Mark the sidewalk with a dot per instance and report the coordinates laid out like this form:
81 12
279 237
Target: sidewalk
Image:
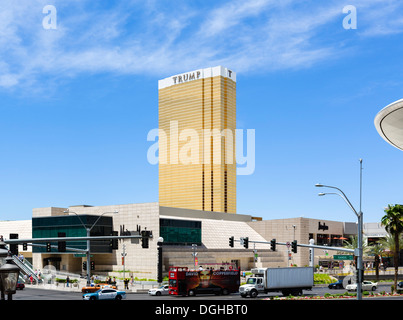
138 287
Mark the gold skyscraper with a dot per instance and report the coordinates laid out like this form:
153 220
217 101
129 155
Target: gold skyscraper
197 121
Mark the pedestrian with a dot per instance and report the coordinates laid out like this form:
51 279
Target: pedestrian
67 281
126 281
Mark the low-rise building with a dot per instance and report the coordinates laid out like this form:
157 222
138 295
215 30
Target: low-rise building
191 238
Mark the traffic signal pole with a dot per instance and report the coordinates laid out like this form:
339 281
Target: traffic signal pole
92 238
88 238
88 256
294 244
307 246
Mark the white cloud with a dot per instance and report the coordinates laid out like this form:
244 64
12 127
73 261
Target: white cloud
162 38
8 80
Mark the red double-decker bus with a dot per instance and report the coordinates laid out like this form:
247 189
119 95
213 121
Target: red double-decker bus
186 282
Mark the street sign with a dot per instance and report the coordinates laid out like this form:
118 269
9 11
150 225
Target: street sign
343 257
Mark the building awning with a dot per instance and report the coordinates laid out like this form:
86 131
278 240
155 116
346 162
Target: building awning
389 124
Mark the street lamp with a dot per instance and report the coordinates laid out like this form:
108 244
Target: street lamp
3 256
160 260
9 276
3 253
88 240
359 231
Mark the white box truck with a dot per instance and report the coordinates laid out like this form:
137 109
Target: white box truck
285 280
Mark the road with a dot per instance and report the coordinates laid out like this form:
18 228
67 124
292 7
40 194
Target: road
42 294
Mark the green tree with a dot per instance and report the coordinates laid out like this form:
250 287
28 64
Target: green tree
388 243
377 250
393 222
353 244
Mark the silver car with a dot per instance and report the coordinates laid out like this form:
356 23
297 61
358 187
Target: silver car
366 286
163 290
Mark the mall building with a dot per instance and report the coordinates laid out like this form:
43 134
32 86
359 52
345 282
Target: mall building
180 229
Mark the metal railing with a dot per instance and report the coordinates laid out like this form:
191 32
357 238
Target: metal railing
26 268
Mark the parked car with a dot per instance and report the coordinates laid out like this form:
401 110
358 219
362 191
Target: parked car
400 284
96 287
20 285
336 285
366 286
163 290
105 294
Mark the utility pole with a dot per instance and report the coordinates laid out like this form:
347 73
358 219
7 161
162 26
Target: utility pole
124 260
194 247
358 251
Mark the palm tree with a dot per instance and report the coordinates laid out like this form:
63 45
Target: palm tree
388 243
353 244
377 250
393 222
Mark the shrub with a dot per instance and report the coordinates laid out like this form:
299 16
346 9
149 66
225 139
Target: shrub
322 278
62 280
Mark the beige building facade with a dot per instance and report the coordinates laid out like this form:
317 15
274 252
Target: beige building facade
197 122
215 228
181 228
323 232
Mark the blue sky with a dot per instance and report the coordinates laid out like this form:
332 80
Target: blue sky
78 101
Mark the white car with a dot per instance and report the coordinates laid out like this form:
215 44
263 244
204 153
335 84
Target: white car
105 294
366 286
163 290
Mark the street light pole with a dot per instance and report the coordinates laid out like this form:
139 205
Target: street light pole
194 246
88 251
359 253
124 254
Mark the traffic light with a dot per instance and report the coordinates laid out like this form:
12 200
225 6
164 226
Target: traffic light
246 242
84 265
92 265
273 244
61 245
25 246
144 243
48 247
294 246
14 247
231 241
360 274
114 243
144 238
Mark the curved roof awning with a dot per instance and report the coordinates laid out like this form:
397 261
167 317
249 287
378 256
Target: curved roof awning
389 123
